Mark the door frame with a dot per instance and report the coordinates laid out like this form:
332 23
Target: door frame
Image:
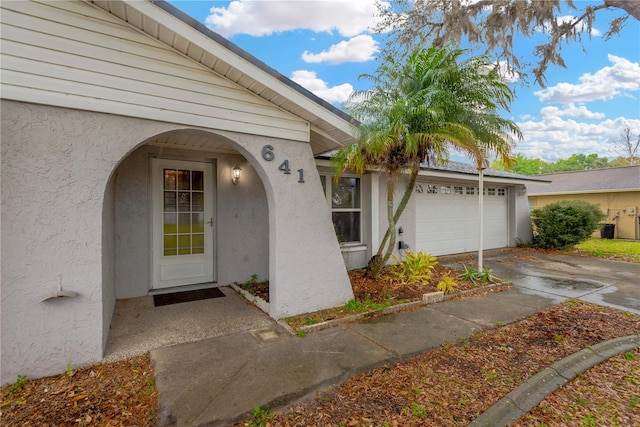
153 203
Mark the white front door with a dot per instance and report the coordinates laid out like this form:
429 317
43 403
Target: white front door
182 231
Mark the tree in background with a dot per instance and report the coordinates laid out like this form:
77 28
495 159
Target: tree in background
628 146
496 23
416 112
577 162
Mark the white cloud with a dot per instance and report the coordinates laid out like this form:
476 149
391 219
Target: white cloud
507 72
619 79
570 110
310 81
260 18
357 49
555 137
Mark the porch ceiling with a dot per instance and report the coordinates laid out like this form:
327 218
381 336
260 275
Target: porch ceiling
330 127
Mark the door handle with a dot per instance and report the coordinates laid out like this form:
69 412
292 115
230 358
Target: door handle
210 222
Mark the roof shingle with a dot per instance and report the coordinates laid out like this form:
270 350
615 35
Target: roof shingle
621 178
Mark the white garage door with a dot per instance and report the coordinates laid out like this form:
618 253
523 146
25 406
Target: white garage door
447 218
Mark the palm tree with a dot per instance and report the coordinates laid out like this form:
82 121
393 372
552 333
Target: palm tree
416 113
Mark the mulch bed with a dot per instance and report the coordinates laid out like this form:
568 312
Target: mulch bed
114 394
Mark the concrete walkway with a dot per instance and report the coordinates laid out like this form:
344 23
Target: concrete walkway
219 380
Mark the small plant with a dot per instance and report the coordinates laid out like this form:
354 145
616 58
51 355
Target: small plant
416 267
486 276
470 274
261 417
250 284
418 411
17 386
300 333
477 276
353 305
447 284
309 321
151 386
630 356
501 324
634 402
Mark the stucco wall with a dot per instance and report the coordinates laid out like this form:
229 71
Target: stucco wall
241 219
56 165
58 226
108 260
615 205
519 216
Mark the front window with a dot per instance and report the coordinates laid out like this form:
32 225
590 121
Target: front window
343 196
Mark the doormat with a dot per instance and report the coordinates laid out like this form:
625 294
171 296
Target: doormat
186 296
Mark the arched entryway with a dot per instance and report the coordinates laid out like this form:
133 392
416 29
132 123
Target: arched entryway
178 220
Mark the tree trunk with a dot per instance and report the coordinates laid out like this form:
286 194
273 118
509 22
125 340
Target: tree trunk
378 261
403 204
632 7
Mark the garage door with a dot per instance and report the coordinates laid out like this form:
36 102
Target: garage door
447 218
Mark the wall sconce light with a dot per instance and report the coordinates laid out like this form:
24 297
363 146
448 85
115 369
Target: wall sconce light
235 175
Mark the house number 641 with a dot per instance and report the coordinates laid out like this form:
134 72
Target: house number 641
268 154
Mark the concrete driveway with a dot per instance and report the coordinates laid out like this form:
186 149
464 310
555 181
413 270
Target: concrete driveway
560 277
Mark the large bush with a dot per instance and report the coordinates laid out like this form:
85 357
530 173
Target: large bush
564 223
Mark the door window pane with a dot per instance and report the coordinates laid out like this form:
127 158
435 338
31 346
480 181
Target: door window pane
169 179
197 223
197 244
184 223
170 242
184 244
170 223
184 180
170 201
184 201
197 202
197 180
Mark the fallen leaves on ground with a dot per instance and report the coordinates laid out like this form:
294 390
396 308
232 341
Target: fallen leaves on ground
608 394
114 394
453 384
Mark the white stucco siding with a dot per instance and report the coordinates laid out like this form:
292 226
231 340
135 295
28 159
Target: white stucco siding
72 54
56 165
306 270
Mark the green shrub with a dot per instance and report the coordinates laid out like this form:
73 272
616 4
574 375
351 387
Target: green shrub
447 284
416 267
565 223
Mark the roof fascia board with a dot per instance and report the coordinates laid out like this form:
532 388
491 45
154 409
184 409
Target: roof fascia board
475 177
445 175
164 14
562 193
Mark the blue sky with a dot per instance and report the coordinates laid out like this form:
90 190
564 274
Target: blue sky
325 45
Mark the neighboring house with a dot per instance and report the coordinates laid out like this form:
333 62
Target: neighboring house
615 190
124 125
